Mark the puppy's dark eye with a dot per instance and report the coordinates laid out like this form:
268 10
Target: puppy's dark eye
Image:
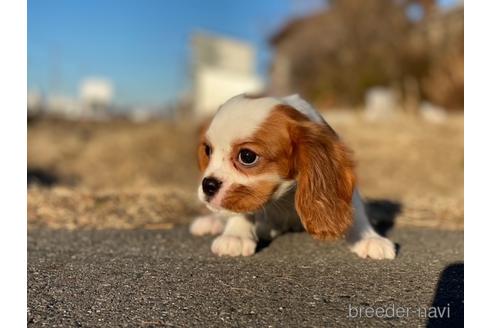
247 157
208 150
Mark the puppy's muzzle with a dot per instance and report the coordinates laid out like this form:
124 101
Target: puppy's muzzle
210 186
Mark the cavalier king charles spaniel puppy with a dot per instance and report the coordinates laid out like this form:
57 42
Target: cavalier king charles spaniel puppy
273 165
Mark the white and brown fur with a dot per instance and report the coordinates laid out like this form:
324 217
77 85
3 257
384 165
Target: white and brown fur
304 179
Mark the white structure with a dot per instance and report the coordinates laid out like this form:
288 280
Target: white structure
35 101
222 68
64 106
381 103
96 95
94 99
432 113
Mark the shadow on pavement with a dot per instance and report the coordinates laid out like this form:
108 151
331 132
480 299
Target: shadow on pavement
262 244
449 298
382 214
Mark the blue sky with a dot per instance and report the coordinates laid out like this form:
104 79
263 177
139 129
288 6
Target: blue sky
141 45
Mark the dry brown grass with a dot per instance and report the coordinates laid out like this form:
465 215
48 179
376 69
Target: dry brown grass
127 175
118 154
417 163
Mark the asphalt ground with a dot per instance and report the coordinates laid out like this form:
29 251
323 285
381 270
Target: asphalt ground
152 278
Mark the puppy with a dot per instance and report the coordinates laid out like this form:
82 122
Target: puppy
272 165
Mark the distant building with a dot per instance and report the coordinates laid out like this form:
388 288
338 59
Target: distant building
380 103
93 102
35 102
222 68
96 96
63 106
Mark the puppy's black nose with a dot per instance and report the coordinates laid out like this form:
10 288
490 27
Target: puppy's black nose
210 186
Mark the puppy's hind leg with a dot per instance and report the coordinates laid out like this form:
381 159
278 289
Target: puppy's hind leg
362 238
211 224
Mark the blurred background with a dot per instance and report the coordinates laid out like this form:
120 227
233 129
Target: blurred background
116 90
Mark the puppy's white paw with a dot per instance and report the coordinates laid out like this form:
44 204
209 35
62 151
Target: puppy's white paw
376 247
206 225
233 246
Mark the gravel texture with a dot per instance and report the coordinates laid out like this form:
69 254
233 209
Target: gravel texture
153 278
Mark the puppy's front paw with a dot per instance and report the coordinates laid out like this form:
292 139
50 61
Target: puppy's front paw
233 246
377 248
206 225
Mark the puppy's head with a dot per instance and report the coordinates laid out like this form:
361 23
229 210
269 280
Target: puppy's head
254 149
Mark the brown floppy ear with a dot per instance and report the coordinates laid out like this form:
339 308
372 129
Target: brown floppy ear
325 180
